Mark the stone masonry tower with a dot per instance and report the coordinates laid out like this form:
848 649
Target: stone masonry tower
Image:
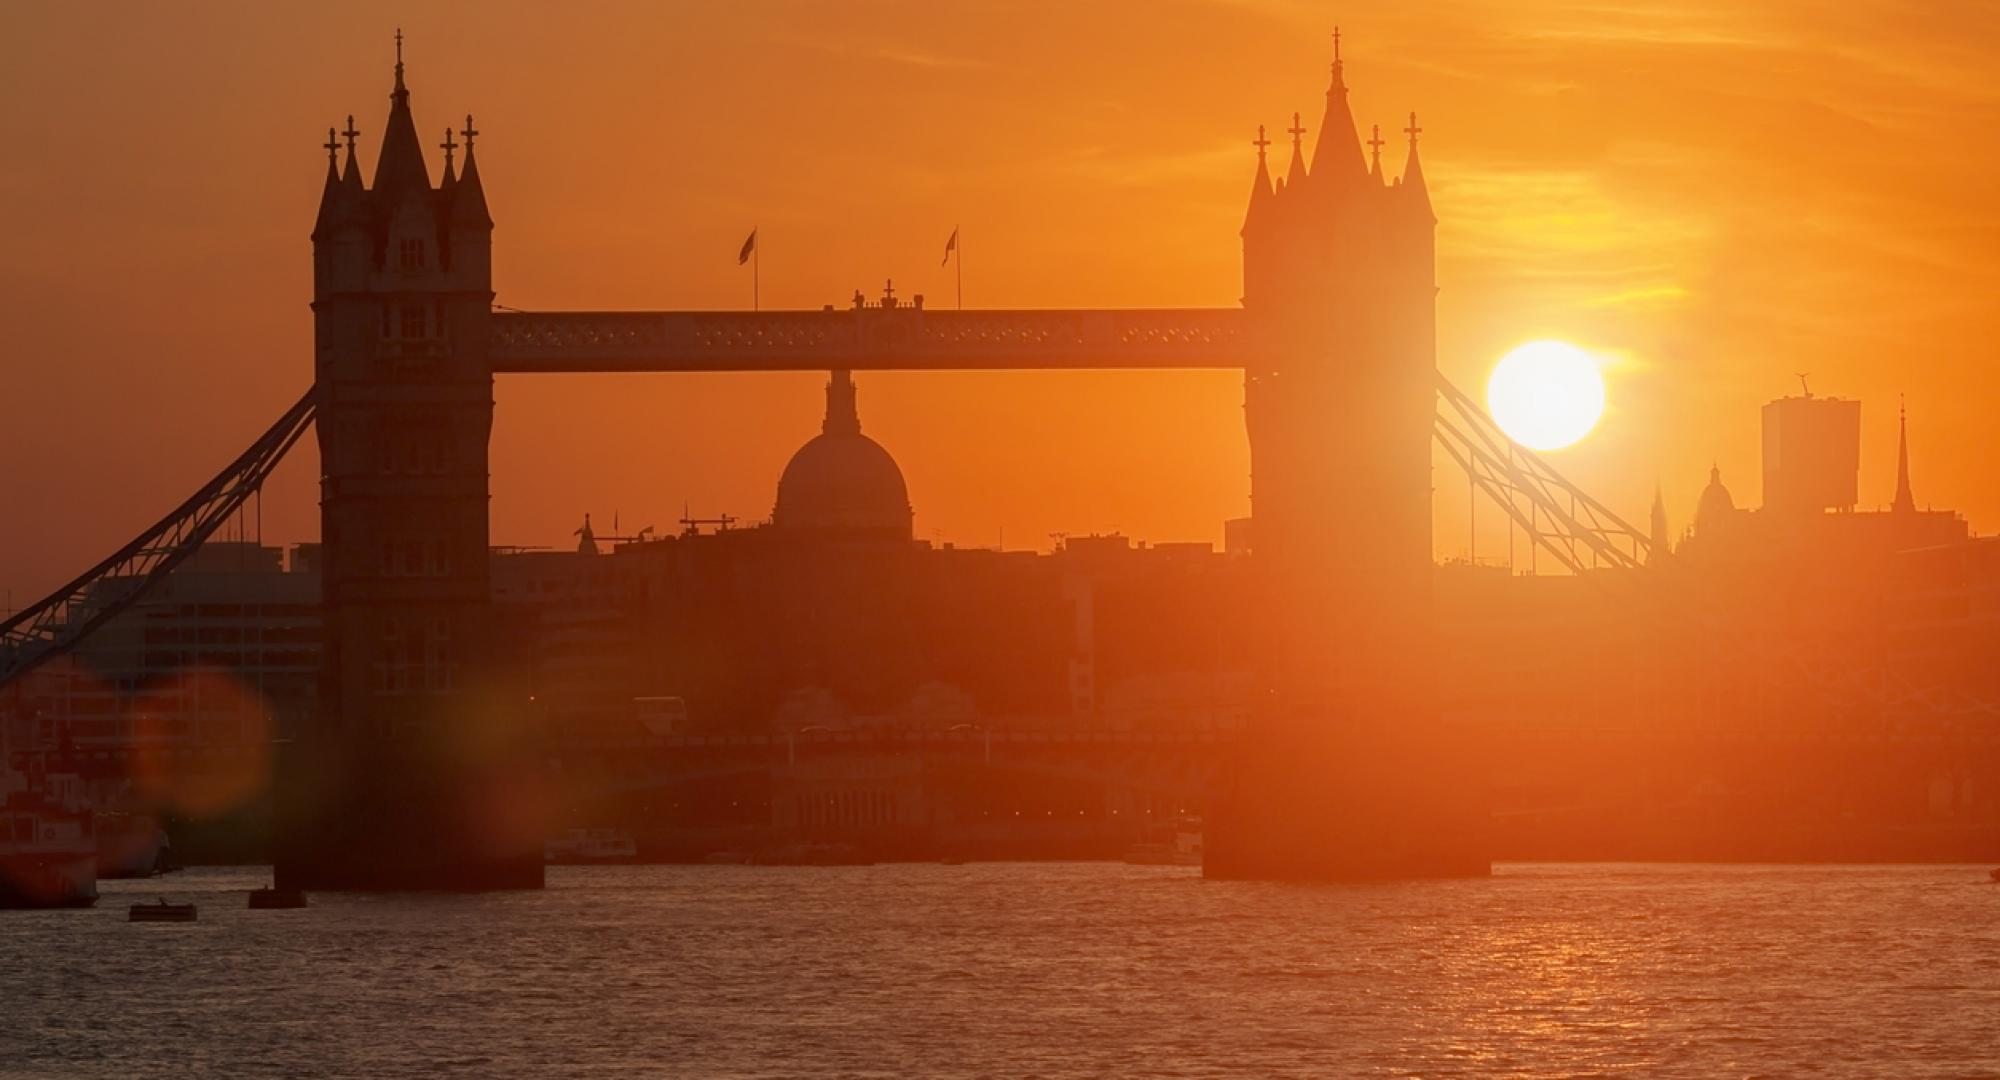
1346 774
414 774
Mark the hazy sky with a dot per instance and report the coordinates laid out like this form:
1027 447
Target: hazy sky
1720 195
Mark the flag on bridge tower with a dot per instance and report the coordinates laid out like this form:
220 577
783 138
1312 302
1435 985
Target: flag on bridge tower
950 249
748 253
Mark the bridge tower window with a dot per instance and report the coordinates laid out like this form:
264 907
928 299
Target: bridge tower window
411 253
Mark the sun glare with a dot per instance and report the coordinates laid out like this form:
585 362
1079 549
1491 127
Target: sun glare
1546 394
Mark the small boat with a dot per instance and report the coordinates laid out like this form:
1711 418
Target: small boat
274 898
161 912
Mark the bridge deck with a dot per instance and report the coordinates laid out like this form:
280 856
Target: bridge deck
867 339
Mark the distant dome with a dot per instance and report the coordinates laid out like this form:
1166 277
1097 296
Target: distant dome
842 479
1715 506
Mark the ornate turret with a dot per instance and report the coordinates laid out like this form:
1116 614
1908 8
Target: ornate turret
450 178
340 232
329 194
1415 193
400 167
1260 185
1336 158
468 202
1296 175
350 176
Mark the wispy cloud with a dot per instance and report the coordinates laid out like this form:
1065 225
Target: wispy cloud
1122 167
898 54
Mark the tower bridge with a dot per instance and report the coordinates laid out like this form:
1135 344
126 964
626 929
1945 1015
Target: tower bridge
403 779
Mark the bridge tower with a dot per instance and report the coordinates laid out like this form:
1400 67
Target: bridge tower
1346 774
415 772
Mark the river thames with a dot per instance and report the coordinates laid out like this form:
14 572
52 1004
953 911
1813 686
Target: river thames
1027 969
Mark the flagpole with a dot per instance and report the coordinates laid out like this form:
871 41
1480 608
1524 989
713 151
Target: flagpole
756 270
958 250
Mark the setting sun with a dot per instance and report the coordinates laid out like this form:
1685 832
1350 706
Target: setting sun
1546 394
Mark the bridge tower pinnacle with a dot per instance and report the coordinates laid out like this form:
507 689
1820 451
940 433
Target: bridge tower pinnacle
385 789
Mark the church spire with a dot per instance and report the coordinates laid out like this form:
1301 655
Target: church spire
1905 502
842 417
1337 155
401 164
1660 545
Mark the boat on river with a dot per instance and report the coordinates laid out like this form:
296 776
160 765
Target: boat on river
161 912
276 899
48 854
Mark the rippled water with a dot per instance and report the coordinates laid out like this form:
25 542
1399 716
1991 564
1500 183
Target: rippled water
1027 969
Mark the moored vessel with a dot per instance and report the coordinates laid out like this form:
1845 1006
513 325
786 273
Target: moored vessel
48 855
161 911
273 899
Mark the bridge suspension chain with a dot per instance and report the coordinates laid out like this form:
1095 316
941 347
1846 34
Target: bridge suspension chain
1560 517
61 620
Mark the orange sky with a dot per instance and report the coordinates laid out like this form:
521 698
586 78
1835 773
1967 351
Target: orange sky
1721 195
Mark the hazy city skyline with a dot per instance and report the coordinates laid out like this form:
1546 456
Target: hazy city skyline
1631 182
